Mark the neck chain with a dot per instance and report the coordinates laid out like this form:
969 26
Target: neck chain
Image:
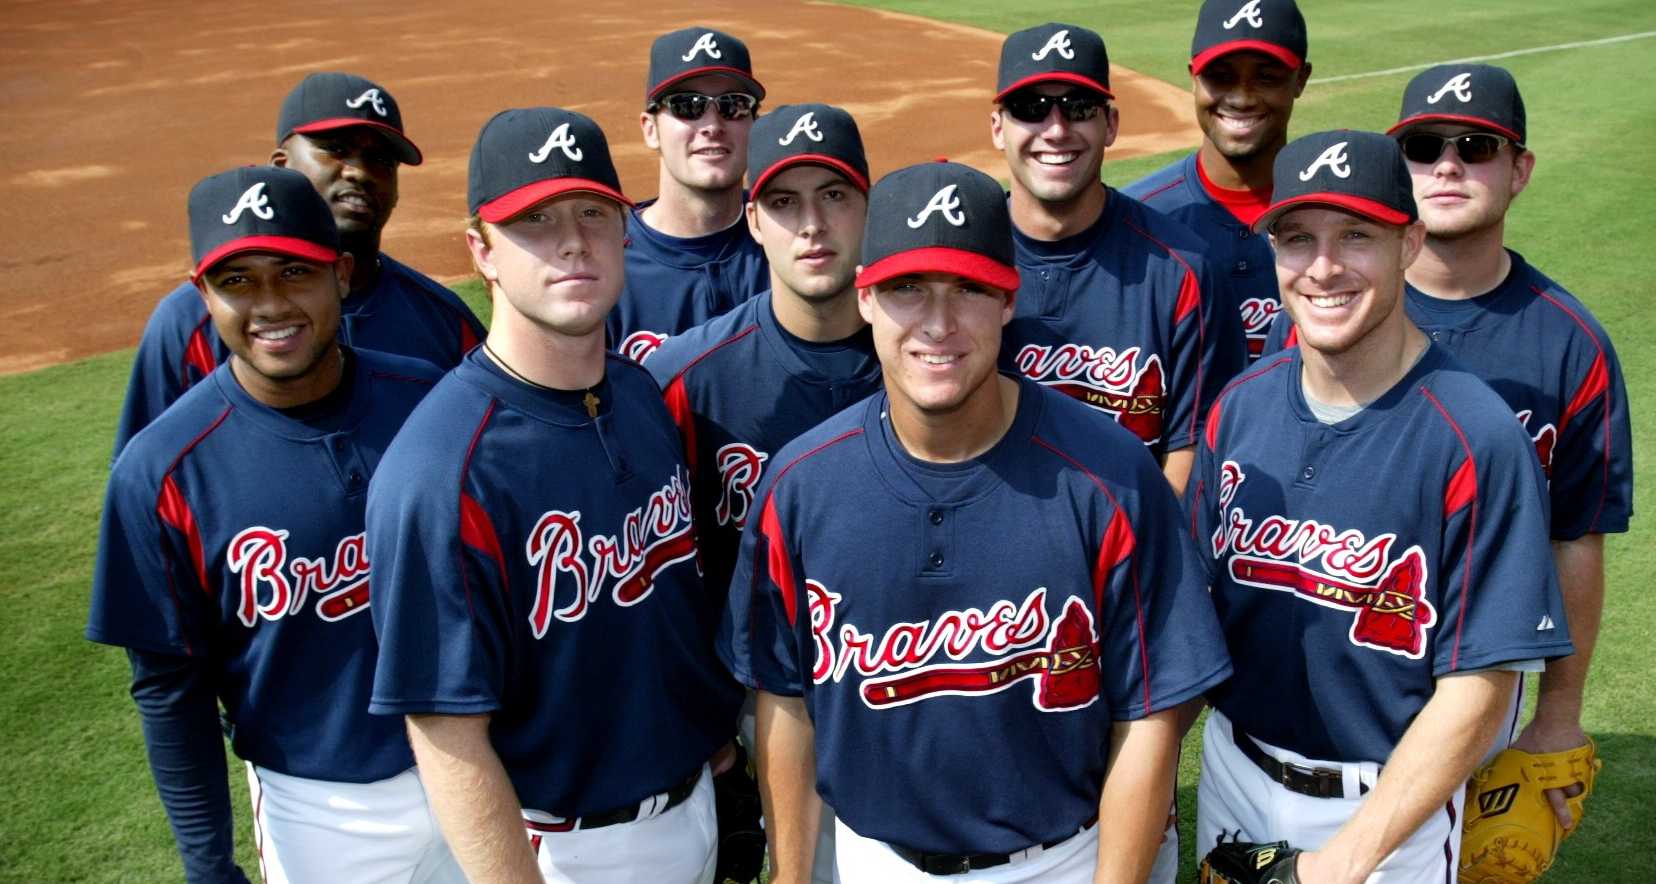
590 400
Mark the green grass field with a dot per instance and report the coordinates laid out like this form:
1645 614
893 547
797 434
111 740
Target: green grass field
76 803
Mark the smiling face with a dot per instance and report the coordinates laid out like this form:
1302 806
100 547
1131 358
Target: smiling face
354 169
1055 161
278 315
809 220
938 336
557 265
1456 198
708 153
1341 275
1243 102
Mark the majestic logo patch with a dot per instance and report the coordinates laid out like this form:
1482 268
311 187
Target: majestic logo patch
1545 438
897 667
1125 384
1334 158
1257 316
640 344
651 538
371 98
1388 593
805 125
1498 800
272 589
562 140
1059 43
252 200
739 469
1248 13
944 201
1460 85
704 43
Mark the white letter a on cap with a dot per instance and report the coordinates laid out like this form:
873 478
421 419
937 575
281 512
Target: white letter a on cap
1059 43
943 201
1334 158
704 43
560 139
252 200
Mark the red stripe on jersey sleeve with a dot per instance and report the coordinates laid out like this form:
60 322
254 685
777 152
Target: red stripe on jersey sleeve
1471 522
1292 339
1113 549
678 405
175 511
1462 489
468 338
1190 297
198 354
476 528
777 564
1211 430
1592 386
1598 375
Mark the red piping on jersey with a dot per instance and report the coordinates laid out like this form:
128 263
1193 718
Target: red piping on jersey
1292 338
1190 299
770 526
476 530
1597 382
678 397
197 353
1118 534
1162 189
1210 431
1471 525
174 510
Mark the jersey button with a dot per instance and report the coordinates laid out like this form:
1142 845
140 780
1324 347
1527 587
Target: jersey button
936 560
1308 473
936 517
1436 336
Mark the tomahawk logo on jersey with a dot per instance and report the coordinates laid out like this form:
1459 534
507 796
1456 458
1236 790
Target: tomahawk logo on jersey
676 283
980 619
1223 220
1121 317
576 582
404 313
1568 393
710 376
203 555
1369 557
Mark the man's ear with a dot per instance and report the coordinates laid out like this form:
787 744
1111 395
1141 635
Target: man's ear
647 125
481 255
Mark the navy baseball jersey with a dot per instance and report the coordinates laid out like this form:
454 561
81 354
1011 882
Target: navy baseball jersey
965 635
1123 316
233 533
405 313
539 565
740 387
676 283
1223 219
1568 390
1356 563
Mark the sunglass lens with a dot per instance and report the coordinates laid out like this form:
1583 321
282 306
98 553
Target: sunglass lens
1028 108
687 105
1477 148
735 105
1422 148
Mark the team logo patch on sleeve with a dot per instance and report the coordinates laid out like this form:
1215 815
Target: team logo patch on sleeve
1061 662
1125 385
271 589
1360 574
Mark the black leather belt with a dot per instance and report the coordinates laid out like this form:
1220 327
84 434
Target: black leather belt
1317 782
961 863
675 797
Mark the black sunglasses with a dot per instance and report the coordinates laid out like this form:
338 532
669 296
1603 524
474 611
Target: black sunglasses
1033 107
689 106
1473 147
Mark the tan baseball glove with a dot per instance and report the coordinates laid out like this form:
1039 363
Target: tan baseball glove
1512 834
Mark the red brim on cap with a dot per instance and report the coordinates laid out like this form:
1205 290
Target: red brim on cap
1271 49
1465 119
941 259
1374 211
406 151
738 74
510 205
1056 77
292 246
838 165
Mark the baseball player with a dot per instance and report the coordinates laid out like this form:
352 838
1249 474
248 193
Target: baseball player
689 255
1374 524
226 587
965 599
1247 65
346 135
746 383
1118 305
545 630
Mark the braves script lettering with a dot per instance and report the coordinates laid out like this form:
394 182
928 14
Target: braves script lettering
1127 385
271 588
640 344
739 469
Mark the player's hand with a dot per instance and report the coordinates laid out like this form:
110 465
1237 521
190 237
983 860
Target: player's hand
1540 737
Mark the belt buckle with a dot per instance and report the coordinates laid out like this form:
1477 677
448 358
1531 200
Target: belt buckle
948 865
1330 782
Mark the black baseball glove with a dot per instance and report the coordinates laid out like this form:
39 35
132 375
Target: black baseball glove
1249 862
741 837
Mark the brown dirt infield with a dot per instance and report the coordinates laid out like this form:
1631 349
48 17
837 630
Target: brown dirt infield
114 109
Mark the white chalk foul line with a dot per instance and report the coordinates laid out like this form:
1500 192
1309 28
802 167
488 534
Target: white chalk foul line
1623 38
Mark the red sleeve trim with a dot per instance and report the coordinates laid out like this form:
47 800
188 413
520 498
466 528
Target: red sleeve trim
1471 524
1190 301
770 525
1210 430
1596 383
476 528
468 338
1463 487
198 354
175 511
1292 338
678 406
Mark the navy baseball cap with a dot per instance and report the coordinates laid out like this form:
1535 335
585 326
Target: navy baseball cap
327 101
259 209
1360 172
525 156
806 133
1274 27
938 217
1053 52
1481 95
692 52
